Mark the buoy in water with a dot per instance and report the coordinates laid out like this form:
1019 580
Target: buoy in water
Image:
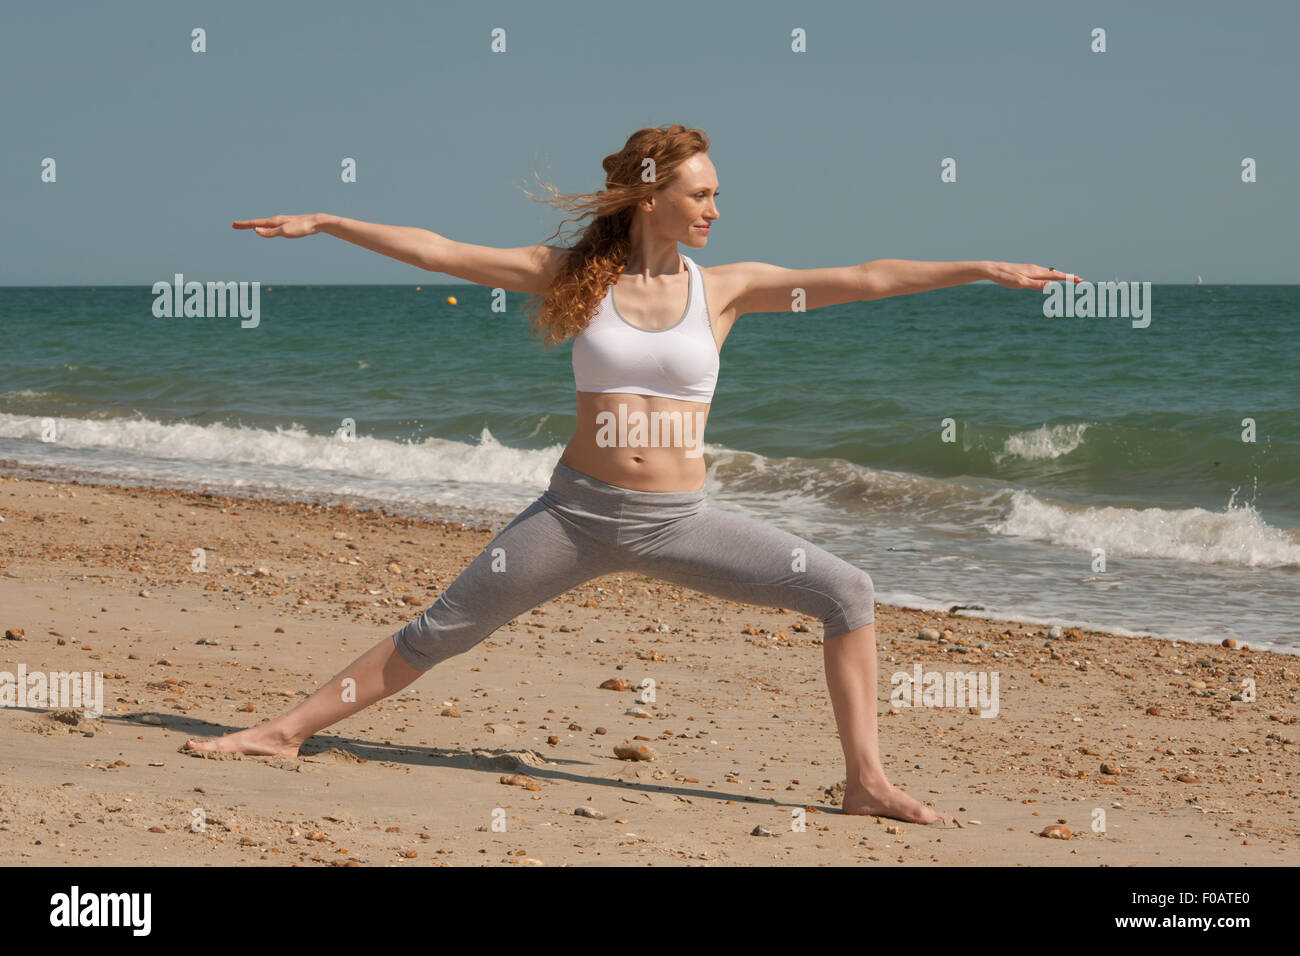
417 288
451 300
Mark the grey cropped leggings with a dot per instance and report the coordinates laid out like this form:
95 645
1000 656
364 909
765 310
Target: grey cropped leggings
582 528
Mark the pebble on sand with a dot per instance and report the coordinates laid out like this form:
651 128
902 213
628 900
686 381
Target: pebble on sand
1057 832
615 683
519 780
590 812
630 751
14 634
761 830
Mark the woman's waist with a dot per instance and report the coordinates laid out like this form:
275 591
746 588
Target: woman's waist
646 471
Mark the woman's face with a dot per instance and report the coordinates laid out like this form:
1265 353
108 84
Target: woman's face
688 205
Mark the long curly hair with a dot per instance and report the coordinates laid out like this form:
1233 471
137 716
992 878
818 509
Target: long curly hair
601 251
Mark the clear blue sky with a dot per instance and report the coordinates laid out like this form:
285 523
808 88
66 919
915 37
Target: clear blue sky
1123 164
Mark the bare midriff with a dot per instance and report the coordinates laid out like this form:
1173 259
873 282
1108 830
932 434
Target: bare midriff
672 463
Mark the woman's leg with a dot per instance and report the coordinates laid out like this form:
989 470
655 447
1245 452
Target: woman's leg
741 559
535 558
378 673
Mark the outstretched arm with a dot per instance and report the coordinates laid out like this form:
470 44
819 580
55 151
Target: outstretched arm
768 288
522 269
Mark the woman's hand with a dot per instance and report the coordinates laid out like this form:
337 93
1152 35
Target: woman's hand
287 227
1025 275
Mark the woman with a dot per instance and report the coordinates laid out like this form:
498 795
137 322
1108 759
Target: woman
628 492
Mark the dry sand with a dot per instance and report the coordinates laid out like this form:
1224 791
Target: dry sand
99 578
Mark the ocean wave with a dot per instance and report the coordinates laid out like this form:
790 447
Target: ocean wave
433 459
1044 442
1236 536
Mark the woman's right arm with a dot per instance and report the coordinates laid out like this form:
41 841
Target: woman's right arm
522 269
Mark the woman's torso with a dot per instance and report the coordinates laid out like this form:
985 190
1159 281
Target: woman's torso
665 341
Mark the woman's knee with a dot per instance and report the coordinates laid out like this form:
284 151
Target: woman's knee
854 596
440 633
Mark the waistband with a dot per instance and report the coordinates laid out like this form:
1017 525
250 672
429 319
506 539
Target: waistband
565 477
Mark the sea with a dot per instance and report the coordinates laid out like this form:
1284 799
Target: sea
963 446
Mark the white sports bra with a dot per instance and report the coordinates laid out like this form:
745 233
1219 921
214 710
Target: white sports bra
613 355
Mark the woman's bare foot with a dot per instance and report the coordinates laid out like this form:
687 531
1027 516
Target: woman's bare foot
883 799
259 741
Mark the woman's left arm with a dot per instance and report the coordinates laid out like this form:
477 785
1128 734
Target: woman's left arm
886 277
761 287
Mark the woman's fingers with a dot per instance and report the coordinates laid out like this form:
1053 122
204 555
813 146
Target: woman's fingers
1026 275
254 223
288 227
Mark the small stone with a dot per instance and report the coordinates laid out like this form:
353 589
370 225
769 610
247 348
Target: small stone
206 640
519 780
14 634
1186 778
152 719
896 831
394 569
630 751
761 830
589 812
449 710
615 683
1154 711
1110 769
600 730
1056 832
1054 633
636 712
552 740
261 573
1228 642
927 634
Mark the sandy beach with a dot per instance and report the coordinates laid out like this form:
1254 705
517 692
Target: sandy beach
1134 745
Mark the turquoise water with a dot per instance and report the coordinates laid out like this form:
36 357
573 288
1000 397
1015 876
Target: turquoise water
1071 434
